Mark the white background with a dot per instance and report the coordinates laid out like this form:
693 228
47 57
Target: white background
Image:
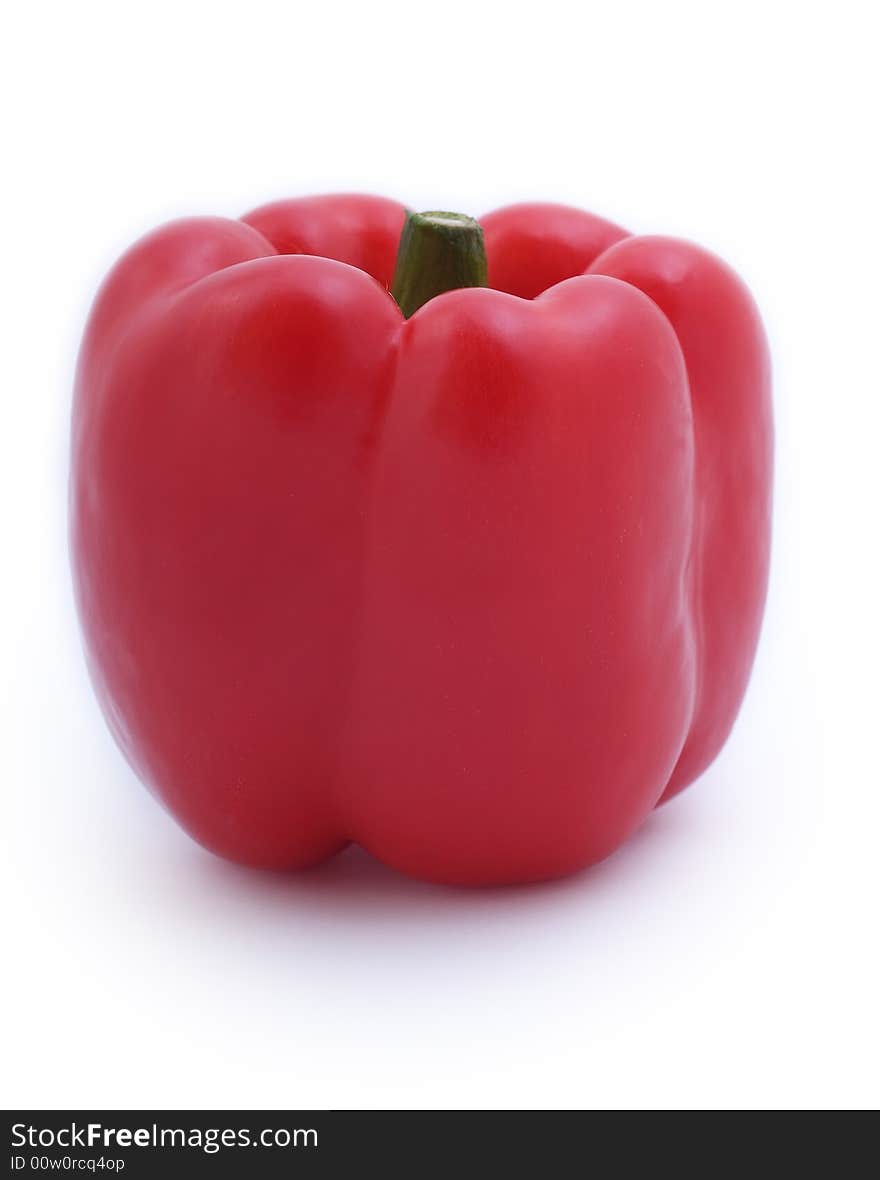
728 955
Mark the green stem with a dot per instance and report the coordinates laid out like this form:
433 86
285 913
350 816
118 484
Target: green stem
438 252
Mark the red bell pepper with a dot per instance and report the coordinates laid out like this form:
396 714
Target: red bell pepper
475 588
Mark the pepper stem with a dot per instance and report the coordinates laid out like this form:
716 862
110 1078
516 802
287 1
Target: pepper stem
438 252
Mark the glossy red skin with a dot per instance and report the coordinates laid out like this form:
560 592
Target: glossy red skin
475 590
